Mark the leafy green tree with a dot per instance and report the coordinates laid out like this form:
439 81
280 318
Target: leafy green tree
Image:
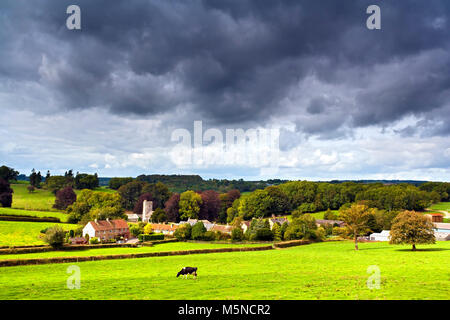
356 219
160 192
198 231
276 230
55 236
330 215
92 205
130 193
189 204
86 181
159 215
304 227
55 183
116 183
237 234
135 230
411 227
184 232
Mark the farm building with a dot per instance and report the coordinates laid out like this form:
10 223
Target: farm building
222 228
208 225
382 236
164 228
321 222
435 217
132 217
245 225
278 220
107 229
442 227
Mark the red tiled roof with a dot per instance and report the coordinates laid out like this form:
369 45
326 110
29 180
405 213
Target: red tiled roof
101 225
224 229
167 227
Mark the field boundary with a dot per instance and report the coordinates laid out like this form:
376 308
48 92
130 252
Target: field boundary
293 243
47 248
24 218
35 261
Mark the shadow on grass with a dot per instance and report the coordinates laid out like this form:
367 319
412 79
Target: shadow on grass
423 250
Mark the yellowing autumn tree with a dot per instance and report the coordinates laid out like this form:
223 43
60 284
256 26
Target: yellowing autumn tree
148 228
411 227
356 219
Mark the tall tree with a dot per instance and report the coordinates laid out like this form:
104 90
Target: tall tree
411 227
64 198
172 208
356 218
190 203
8 174
140 202
5 194
160 192
130 193
209 209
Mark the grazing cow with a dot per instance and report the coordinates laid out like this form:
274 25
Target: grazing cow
187 271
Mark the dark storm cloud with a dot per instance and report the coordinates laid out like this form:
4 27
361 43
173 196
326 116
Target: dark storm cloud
234 62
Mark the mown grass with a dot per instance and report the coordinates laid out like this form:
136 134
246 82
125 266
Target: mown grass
331 270
14 212
14 233
441 206
172 246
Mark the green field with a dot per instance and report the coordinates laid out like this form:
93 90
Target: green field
331 270
441 206
172 246
40 200
11 212
14 233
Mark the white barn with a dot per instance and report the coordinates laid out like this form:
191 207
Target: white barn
382 236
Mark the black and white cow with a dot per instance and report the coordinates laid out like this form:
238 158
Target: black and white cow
187 271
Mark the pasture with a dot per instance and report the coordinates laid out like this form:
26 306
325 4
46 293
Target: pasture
12 212
40 200
14 233
329 270
171 246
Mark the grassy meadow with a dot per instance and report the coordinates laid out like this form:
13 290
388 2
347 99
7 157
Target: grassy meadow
13 212
163 247
15 233
40 200
329 270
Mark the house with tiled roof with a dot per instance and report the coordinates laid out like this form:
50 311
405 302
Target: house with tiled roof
323 223
107 229
245 225
164 228
279 220
222 228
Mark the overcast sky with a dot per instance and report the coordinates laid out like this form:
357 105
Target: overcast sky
350 103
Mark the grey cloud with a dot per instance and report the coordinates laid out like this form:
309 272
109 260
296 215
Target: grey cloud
233 62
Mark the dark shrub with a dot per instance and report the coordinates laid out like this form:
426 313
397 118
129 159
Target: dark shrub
264 234
237 234
5 194
209 236
151 237
64 198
